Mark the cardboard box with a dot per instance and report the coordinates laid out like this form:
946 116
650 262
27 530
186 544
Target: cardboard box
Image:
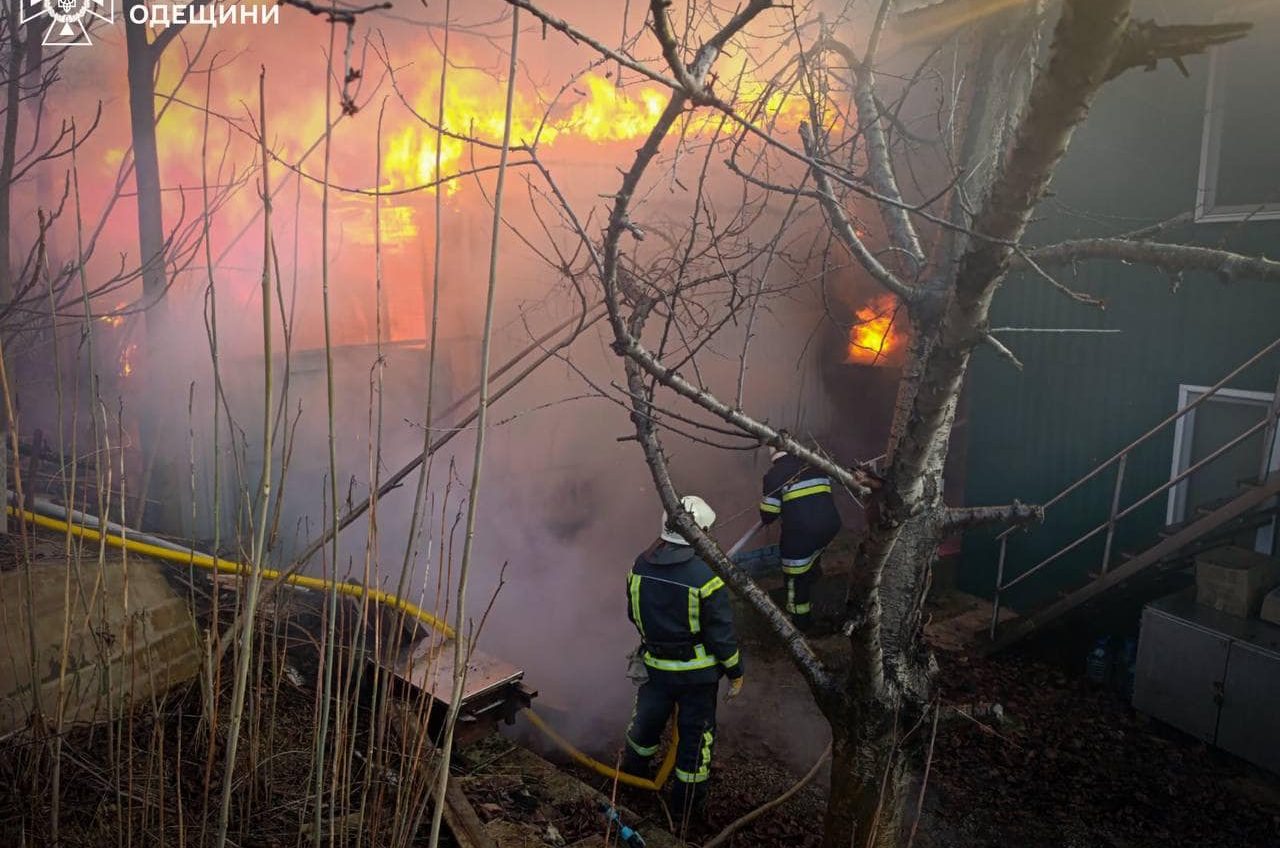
1235 580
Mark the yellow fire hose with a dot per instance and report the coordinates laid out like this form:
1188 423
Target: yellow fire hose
659 780
355 590
200 560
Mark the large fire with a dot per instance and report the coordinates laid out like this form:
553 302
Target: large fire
594 109
586 124
474 106
874 336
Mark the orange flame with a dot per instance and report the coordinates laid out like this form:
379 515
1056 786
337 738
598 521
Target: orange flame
873 336
114 318
602 114
126 359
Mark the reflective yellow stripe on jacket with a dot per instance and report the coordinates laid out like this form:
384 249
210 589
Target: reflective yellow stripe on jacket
701 659
633 590
804 488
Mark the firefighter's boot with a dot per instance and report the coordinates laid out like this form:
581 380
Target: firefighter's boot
687 801
636 765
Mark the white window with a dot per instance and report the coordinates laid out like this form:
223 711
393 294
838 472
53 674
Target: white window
1206 431
1240 152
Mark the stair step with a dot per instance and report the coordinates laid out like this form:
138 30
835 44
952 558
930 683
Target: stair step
1169 554
1205 509
1250 482
1210 507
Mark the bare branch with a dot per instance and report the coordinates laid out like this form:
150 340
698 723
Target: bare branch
855 479
334 14
1078 297
902 233
1002 350
1016 513
844 229
576 35
1171 258
670 48
1146 43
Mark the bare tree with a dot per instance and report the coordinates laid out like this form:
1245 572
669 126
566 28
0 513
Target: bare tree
943 252
27 144
144 55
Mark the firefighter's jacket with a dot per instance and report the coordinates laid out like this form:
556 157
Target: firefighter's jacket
681 609
801 496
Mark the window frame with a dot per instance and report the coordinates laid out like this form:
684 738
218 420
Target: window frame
1207 210
1265 538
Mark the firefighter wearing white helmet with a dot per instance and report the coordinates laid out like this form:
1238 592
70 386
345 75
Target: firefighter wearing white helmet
681 610
703 516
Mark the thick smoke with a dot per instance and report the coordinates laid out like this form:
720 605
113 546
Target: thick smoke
566 501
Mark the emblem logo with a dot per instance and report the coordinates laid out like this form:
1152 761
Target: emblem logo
68 19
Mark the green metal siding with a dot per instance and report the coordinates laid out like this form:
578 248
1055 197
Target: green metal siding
1081 398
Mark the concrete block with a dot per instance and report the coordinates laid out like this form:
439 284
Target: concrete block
1270 611
1234 580
127 635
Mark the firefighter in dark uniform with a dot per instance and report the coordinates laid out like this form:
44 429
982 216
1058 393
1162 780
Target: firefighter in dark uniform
801 496
681 610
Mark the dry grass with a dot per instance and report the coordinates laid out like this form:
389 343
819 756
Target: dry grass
155 775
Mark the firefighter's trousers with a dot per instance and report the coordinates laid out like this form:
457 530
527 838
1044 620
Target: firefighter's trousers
696 726
800 573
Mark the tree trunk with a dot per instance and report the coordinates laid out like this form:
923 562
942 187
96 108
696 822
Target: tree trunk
8 156
160 482
870 778
891 670
871 768
146 164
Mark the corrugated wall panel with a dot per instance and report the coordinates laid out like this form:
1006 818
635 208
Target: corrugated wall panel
1081 398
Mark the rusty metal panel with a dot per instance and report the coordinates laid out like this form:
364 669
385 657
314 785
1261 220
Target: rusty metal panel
429 666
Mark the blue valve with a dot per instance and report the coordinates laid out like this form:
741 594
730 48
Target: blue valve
629 837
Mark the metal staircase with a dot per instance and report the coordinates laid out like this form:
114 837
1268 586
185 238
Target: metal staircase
1208 525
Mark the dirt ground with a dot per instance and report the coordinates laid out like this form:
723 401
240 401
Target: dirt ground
1070 766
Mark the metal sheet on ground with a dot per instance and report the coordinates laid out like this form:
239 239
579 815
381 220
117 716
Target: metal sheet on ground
428 666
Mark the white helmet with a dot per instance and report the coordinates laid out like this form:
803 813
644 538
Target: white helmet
776 454
703 515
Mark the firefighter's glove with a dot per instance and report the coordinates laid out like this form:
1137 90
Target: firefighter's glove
735 689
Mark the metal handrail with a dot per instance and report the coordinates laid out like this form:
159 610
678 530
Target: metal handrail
1213 390
1139 503
1269 423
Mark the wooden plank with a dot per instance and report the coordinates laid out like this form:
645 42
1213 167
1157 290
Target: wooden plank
4 480
464 823
1020 628
460 817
